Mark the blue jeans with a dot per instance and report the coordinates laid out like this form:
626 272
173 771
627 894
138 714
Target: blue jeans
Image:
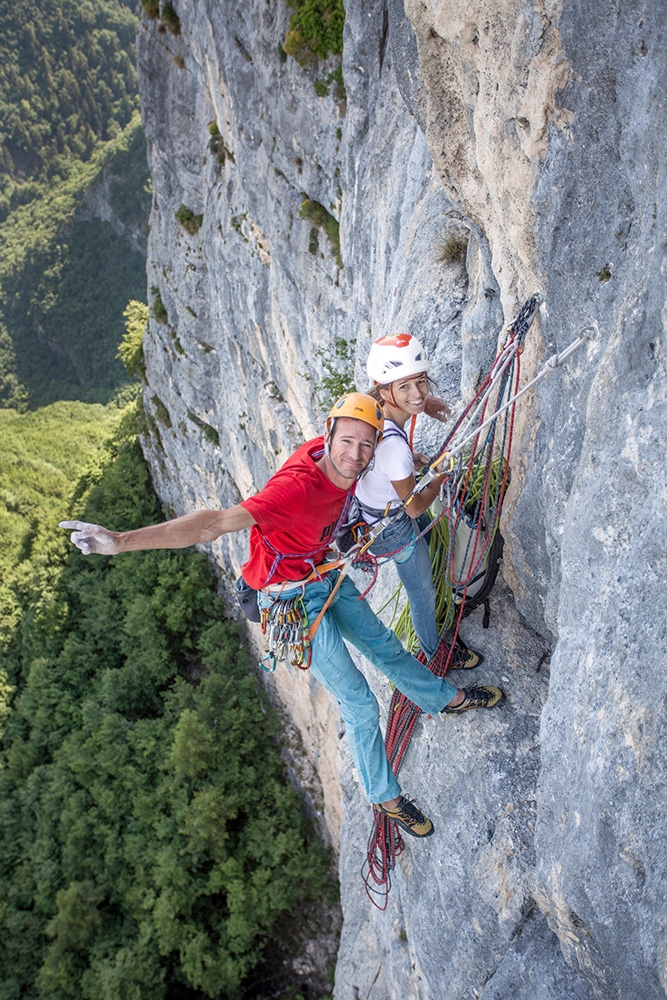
414 569
350 618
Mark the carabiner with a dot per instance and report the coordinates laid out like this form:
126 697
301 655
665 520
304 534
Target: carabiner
270 669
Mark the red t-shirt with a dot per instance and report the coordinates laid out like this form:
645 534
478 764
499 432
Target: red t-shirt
296 514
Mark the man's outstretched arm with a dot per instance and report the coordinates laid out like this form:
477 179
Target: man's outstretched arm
199 526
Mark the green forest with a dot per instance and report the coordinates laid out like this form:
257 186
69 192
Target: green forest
69 125
67 82
151 845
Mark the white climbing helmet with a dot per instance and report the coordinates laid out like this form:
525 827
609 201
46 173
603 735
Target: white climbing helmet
391 358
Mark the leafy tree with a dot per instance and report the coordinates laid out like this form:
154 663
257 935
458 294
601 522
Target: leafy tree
315 29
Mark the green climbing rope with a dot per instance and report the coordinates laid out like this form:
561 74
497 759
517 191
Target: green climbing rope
439 548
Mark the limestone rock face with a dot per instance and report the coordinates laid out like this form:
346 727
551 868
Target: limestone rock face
535 132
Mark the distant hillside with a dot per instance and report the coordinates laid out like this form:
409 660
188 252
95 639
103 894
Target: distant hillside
41 455
74 198
67 83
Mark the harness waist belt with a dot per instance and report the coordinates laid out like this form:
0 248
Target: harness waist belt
378 514
277 588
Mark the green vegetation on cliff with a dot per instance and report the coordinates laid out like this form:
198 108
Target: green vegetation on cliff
315 30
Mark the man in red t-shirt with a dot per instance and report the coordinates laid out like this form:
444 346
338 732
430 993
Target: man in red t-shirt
293 520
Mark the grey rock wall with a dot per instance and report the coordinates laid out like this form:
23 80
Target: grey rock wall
539 132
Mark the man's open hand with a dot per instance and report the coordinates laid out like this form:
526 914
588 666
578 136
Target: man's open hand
91 538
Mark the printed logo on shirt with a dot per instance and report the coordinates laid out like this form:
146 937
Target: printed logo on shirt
326 532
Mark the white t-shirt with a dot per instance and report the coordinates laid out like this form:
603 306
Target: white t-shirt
393 462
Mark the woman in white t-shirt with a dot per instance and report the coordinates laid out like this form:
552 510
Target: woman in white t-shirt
398 368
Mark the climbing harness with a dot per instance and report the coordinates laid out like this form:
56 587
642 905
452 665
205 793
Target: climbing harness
475 459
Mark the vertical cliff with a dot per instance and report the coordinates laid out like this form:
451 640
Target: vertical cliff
537 133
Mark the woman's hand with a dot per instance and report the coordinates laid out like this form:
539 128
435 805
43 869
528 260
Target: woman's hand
436 408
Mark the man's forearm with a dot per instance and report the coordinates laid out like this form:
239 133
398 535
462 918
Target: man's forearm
191 529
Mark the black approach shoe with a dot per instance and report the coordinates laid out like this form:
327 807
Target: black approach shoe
476 697
409 817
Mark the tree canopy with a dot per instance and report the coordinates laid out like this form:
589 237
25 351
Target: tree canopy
69 122
67 82
150 843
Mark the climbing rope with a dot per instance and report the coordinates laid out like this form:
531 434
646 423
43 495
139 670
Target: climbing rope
476 457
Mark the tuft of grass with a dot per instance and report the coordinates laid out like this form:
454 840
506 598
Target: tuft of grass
161 411
453 248
170 18
151 8
605 273
191 223
323 87
217 144
209 432
237 222
317 214
159 309
315 30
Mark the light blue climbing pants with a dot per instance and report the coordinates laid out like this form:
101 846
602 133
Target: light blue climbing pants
413 565
350 618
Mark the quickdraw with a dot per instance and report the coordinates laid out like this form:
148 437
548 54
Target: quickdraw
285 627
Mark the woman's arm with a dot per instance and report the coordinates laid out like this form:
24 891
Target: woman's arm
199 526
422 500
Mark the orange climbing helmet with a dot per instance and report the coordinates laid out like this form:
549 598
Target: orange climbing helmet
391 358
359 406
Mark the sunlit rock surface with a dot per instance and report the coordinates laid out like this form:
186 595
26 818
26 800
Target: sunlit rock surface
538 132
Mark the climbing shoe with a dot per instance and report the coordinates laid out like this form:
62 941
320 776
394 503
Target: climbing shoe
476 697
409 817
464 658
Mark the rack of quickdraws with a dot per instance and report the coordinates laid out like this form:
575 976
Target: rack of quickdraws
285 627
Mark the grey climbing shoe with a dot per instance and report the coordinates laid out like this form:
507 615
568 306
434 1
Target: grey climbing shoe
409 817
476 697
